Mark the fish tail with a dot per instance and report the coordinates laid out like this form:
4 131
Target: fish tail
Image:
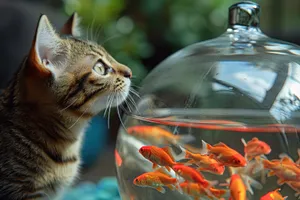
248 181
244 142
218 192
187 154
205 147
212 183
187 138
267 163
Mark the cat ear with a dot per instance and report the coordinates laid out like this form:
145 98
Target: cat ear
44 47
71 27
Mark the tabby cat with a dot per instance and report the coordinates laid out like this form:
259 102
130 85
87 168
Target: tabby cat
62 83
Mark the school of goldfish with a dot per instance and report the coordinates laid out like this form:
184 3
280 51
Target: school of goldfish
213 159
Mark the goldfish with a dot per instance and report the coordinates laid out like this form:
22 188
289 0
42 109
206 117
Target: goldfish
156 180
237 188
285 169
205 163
224 154
192 175
158 135
273 195
158 156
118 158
255 148
295 186
196 190
247 173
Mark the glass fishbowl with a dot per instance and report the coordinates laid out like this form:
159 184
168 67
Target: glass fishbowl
212 110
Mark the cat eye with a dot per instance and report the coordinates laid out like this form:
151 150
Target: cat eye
102 69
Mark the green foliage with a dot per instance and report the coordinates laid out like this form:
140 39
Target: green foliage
133 30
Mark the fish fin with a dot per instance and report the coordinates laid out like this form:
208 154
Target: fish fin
154 165
255 139
224 184
218 192
205 148
255 183
263 176
287 160
263 157
244 142
186 161
187 138
271 173
257 158
213 183
280 181
168 168
221 144
232 170
163 171
161 190
247 185
168 151
171 187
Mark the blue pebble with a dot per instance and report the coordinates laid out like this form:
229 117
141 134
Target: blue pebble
86 187
108 184
88 197
103 195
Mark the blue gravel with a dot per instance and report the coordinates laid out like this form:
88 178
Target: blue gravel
105 189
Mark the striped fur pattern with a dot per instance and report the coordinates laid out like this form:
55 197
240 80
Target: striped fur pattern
62 83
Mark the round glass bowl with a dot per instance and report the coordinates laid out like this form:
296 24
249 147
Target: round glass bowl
241 86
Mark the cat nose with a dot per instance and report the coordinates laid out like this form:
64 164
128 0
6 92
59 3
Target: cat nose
127 74
124 71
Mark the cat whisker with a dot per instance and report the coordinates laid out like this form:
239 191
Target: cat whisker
120 114
134 92
126 102
92 28
106 107
98 32
80 117
131 99
109 109
110 38
68 106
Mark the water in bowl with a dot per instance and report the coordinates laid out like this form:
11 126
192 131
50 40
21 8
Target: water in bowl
188 128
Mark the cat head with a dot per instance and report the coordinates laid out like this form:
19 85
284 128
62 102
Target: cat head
77 75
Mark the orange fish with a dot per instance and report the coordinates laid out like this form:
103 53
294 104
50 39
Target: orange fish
295 186
255 148
224 154
192 175
155 180
273 195
196 191
158 156
158 135
118 158
205 163
237 188
285 170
